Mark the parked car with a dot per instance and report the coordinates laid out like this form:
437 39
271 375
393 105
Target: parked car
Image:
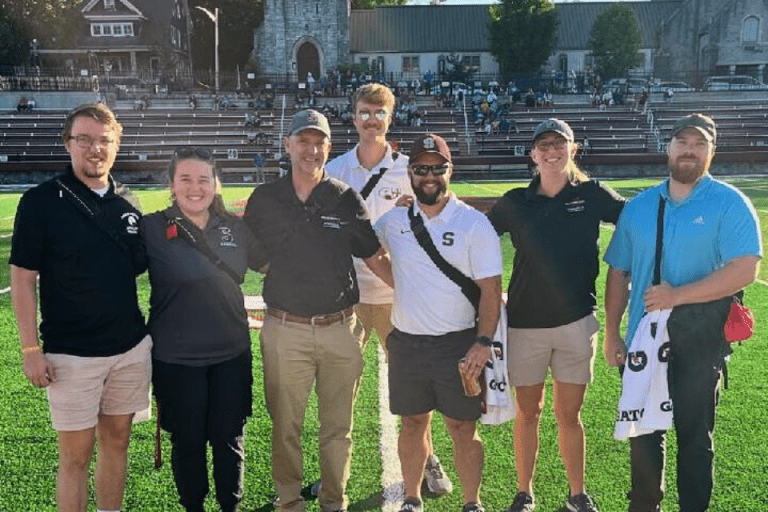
733 83
675 86
628 85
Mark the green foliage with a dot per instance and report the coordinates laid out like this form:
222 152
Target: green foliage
14 44
237 19
522 34
370 4
54 23
615 41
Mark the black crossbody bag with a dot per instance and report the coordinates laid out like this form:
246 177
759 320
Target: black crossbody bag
469 288
374 180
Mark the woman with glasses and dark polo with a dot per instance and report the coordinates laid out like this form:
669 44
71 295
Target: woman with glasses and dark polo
554 224
198 254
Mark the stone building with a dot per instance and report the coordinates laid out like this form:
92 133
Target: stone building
301 36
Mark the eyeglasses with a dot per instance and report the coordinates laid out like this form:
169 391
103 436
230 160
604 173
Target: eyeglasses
436 170
556 144
193 152
87 142
380 114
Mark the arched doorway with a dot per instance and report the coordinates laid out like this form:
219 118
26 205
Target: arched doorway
308 59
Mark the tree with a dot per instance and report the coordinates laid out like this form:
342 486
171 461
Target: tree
237 20
522 35
370 4
615 41
54 23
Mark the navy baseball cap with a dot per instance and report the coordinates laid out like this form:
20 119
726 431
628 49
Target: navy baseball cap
553 125
704 124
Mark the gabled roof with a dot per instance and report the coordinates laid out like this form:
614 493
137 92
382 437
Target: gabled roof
419 29
463 28
97 7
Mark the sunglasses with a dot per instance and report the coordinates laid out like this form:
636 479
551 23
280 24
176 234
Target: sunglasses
436 170
380 114
193 152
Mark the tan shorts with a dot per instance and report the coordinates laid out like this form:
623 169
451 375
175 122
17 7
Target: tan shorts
86 387
568 349
375 316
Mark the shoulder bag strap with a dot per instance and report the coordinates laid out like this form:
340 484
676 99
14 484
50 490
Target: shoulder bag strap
179 227
374 180
91 212
468 287
659 241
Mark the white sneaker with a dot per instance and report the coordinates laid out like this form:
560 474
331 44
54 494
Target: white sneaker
435 479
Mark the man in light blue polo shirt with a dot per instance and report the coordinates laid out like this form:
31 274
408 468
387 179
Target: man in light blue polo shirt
711 249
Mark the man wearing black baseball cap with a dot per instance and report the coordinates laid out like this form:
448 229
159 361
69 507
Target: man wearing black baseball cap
710 250
433 321
312 225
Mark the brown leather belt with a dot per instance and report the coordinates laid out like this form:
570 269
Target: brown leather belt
329 319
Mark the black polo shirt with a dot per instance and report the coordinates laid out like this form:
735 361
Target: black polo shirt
556 243
88 299
311 244
196 310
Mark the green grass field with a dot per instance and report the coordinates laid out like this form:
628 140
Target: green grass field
28 447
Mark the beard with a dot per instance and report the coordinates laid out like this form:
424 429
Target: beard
426 198
688 174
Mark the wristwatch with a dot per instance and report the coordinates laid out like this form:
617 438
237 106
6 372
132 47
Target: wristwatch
485 341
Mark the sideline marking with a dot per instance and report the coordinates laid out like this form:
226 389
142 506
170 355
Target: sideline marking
391 476
5 290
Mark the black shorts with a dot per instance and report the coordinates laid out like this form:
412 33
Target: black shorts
424 374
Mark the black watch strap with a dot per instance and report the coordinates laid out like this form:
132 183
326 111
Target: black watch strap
485 341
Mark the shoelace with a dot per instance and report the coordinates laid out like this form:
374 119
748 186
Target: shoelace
436 471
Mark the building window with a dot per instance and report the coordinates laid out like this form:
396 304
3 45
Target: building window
109 5
470 62
364 61
111 29
750 29
411 64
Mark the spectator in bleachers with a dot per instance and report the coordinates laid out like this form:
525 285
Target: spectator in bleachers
554 225
202 376
668 95
23 104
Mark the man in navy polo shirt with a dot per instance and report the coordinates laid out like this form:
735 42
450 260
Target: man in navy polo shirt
79 234
711 249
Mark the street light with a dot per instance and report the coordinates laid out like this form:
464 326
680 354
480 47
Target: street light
215 19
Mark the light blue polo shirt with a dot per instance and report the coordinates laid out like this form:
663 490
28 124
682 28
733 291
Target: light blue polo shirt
715 224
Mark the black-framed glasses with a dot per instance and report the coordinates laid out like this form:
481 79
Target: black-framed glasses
380 114
193 152
436 170
556 144
86 141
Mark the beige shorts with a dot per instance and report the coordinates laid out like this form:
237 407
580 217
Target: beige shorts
376 316
86 387
568 349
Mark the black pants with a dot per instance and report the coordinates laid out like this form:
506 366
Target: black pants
200 405
695 367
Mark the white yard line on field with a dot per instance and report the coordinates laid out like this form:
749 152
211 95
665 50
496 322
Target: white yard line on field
764 283
391 476
5 290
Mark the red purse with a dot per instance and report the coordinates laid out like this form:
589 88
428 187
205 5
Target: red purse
741 322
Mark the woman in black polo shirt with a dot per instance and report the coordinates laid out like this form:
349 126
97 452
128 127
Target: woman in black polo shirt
202 366
554 225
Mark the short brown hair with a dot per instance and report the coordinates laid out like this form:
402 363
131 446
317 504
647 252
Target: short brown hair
375 94
98 111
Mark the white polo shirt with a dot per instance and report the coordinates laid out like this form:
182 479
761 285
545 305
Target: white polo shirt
394 183
426 301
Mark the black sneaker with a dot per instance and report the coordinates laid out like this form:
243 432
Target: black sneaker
412 504
580 503
472 507
523 502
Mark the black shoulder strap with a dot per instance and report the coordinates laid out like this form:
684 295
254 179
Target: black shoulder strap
468 287
92 212
659 241
374 180
195 238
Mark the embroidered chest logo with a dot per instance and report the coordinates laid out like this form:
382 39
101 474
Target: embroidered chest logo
331 221
227 238
131 222
699 220
575 206
390 193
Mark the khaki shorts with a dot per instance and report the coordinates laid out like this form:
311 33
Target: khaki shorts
86 387
568 349
376 316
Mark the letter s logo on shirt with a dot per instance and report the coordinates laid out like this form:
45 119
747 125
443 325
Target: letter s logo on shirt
448 238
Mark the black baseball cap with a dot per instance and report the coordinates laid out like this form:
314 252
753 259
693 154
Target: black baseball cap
310 119
557 126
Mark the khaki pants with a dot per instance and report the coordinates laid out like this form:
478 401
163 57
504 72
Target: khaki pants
376 316
295 357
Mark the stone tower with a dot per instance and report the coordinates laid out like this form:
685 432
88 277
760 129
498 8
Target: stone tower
299 36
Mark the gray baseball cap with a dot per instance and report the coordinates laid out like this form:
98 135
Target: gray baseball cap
704 124
310 119
553 125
